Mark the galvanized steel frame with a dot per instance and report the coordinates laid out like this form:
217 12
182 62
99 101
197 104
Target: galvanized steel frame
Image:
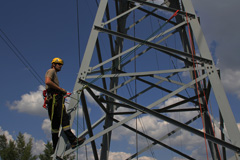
87 72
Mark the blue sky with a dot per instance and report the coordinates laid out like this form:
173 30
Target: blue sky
42 30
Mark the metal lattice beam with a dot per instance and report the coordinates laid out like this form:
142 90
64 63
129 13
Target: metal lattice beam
111 68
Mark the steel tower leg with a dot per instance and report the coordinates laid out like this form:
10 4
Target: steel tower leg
214 79
123 6
84 69
108 68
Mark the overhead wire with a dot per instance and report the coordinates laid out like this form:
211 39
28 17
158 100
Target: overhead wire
79 57
145 131
97 3
174 65
140 119
21 57
134 51
79 60
78 34
152 152
129 88
79 63
135 82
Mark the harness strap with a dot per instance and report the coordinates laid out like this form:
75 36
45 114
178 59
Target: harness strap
63 100
53 104
61 119
53 95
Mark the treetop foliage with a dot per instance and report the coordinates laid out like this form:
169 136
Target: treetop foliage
22 150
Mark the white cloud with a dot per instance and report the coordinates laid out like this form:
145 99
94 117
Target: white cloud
155 127
30 103
185 74
220 27
6 133
38 145
86 153
177 158
200 153
231 81
238 124
180 116
124 155
112 155
80 111
158 1
46 127
189 140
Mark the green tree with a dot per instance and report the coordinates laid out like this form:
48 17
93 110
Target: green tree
48 152
8 151
18 150
24 150
3 143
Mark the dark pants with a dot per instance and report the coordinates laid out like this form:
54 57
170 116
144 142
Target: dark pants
58 116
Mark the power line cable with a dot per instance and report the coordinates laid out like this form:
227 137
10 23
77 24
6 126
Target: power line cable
97 3
79 60
79 63
135 81
78 27
21 58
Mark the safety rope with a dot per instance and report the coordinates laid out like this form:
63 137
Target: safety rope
195 76
205 98
198 92
53 103
63 100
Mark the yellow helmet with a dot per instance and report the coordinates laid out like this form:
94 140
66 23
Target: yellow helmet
57 60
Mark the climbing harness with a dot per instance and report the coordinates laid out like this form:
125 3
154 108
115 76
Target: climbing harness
47 98
54 99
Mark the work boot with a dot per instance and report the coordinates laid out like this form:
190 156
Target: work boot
78 142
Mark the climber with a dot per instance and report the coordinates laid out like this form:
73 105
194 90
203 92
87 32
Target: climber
56 108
